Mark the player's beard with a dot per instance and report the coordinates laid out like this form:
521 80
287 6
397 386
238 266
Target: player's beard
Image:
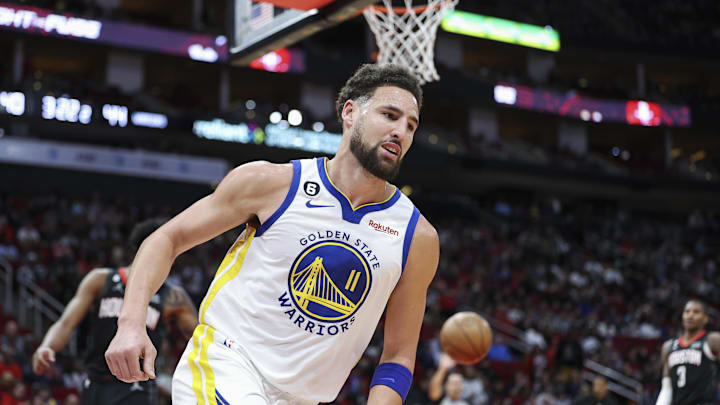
369 157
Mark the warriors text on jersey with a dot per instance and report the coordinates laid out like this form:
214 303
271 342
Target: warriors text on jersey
103 322
693 371
302 294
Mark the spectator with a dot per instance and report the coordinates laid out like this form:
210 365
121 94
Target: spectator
16 396
598 396
499 350
43 396
76 377
9 365
28 236
474 387
569 355
11 339
453 384
72 399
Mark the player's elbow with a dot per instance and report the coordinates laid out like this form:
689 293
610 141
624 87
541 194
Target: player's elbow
163 240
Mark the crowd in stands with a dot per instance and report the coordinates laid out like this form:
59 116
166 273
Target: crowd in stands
575 281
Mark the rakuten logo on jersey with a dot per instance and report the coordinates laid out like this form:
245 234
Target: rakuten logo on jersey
382 228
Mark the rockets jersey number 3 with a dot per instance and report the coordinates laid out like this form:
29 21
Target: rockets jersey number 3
693 371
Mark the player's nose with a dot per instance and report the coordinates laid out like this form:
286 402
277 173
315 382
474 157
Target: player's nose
400 129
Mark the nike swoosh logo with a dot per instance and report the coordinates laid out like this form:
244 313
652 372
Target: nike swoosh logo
392 380
311 205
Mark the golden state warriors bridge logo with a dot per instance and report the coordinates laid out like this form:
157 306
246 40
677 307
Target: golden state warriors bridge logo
329 281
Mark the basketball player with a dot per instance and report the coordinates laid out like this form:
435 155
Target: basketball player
101 292
329 245
690 362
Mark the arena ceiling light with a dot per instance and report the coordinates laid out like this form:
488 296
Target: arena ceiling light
275 117
295 117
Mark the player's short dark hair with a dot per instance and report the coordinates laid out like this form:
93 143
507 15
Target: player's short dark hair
142 230
369 77
700 302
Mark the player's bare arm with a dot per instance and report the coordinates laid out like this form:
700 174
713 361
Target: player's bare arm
664 357
665 396
179 311
59 334
406 308
713 340
251 192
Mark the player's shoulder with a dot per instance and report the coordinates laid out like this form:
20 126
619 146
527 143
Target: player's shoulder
262 171
99 273
714 337
666 346
426 231
258 177
95 280
424 251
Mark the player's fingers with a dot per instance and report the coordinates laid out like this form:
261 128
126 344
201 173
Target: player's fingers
46 355
118 367
133 366
112 365
38 366
44 364
126 370
149 361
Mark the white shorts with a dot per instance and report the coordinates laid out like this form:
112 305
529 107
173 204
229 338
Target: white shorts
214 370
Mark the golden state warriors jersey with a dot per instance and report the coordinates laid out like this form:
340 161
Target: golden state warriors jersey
303 293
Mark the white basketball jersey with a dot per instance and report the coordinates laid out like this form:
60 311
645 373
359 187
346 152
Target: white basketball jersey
303 294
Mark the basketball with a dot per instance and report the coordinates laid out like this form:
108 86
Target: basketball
466 337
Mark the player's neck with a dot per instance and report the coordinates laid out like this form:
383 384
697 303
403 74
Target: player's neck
355 182
689 335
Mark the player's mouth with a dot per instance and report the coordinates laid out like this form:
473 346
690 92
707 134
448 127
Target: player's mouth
391 148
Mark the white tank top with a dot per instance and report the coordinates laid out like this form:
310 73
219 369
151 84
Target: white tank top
302 295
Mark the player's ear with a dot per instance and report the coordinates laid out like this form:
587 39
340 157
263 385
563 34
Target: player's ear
347 115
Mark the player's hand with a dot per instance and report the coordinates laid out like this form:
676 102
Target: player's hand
42 360
125 351
446 362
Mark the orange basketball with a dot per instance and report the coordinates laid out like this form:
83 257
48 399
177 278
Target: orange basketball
466 337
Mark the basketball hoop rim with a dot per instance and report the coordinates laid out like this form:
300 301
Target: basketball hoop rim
405 10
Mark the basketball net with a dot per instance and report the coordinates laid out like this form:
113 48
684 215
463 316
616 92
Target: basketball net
406 36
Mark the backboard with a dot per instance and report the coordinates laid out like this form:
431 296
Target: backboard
258 27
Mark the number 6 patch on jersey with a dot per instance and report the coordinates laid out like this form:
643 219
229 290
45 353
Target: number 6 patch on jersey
311 188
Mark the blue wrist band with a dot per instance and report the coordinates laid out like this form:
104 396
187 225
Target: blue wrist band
393 375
